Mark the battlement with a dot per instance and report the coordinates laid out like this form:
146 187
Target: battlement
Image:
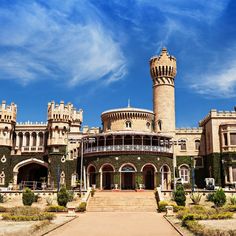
188 130
214 114
8 112
163 65
64 113
30 123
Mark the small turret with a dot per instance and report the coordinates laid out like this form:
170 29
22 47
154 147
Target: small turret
163 72
7 123
60 118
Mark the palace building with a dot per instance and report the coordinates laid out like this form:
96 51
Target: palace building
134 148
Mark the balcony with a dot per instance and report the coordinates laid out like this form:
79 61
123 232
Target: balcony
32 149
128 148
230 148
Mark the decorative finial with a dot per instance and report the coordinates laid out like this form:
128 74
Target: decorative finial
129 102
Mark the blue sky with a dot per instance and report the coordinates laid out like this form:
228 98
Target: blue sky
96 54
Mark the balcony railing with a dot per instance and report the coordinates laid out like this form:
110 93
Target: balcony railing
33 149
128 148
231 148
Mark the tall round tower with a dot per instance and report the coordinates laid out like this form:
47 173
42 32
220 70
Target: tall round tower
163 72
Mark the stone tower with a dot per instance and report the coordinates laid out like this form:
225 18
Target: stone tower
61 118
163 72
7 123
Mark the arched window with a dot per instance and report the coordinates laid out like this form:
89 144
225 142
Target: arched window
159 125
197 145
109 125
182 144
148 125
128 124
33 139
27 137
2 178
184 173
62 178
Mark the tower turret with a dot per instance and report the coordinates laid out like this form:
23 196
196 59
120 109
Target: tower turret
163 72
7 123
61 118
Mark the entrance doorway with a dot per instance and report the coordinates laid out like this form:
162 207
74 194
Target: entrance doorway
148 176
32 175
107 177
92 176
127 177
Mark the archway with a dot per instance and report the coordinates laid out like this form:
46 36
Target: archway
107 176
30 173
149 176
91 176
165 177
128 176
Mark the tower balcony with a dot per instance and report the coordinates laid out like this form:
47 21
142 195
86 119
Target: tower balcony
126 143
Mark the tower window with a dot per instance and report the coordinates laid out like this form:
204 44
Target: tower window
183 145
148 125
128 124
109 125
159 125
197 145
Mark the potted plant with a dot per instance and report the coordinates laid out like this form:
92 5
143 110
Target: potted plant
139 183
43 184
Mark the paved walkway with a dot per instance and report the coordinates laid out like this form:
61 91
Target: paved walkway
117 224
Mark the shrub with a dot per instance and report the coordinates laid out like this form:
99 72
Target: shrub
196 198
230 208
162 206
232 200
28 197
55 208
63 197
71 196
219 198
26 213
92 192
1 198
187 218
49 201
210 197
3 209
81 207
179 195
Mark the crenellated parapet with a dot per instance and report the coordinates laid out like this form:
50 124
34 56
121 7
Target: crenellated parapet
7 123
61 119
163 68
194 130
214 114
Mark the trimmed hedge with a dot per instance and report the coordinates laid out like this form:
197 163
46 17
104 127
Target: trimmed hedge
81 207
27 213
55 208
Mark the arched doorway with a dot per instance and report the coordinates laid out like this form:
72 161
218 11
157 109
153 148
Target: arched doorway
165 177
128 176
107 176
149 176
91 176
32 175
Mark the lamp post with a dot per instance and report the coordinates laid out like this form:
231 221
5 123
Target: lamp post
193 172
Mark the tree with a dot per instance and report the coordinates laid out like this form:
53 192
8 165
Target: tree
63 197
28 197
219 197
179 195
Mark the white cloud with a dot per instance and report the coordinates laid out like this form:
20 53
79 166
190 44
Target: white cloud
70 44
219 84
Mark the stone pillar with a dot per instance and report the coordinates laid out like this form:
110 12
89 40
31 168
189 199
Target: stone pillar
231 174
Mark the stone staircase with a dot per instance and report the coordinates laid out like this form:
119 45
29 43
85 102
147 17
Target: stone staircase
122 202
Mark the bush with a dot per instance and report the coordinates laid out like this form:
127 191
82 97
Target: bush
71 196
63 197
81 207
196 198
28 197
179 195
162 206
3 209
26 213
232 200
55 208
210 197
219 198
230 208
1 198
92 192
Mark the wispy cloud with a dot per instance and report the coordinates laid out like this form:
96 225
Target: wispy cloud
69 42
